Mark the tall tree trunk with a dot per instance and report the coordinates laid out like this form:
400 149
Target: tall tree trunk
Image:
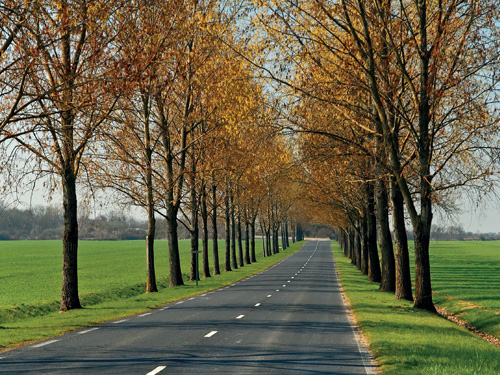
150 236
286 234
358 249
195 233
194 254
422 223
173 247
388 283
364 243
150 260
204 233
247 242
234 262
240 243
69 295
268 240
252 241
150 257
264 239
374 273
227 263
300 233
275 241
283 243
351 245
402 257
422 232
215 244
173 191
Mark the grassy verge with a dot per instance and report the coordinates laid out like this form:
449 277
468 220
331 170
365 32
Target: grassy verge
408 341
111 286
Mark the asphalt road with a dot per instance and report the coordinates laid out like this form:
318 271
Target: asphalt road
290 319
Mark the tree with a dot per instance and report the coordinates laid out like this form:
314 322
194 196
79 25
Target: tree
71 66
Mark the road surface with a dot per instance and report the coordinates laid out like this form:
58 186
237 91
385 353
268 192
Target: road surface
290 319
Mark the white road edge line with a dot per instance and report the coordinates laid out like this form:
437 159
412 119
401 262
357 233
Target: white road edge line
88 330
211 334
157 370
44 343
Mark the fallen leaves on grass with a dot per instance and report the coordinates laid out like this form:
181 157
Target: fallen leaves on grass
456 319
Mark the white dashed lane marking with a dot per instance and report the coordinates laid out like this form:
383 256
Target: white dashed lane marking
44 343
156 370
257 304
240 316
211 334
88 330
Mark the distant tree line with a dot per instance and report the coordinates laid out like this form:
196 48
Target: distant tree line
46 223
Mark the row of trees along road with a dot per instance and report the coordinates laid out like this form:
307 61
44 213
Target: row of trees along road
396 101
253 113
145 99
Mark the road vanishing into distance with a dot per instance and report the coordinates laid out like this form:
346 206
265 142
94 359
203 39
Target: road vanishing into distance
289 319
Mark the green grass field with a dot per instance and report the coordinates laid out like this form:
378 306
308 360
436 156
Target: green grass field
409 341
466 281
112 278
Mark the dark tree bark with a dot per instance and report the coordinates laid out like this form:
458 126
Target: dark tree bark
247 242
358 249
364 243
350 245
374 273
69 296
275 240
287 241
204 233
227 263
194 228
252 241
173 247
173 193
388 283
268 241
283 242
234 262
300 233
215 244
264 239
150 260
402 257
240 244
194 254
422 232
151 286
